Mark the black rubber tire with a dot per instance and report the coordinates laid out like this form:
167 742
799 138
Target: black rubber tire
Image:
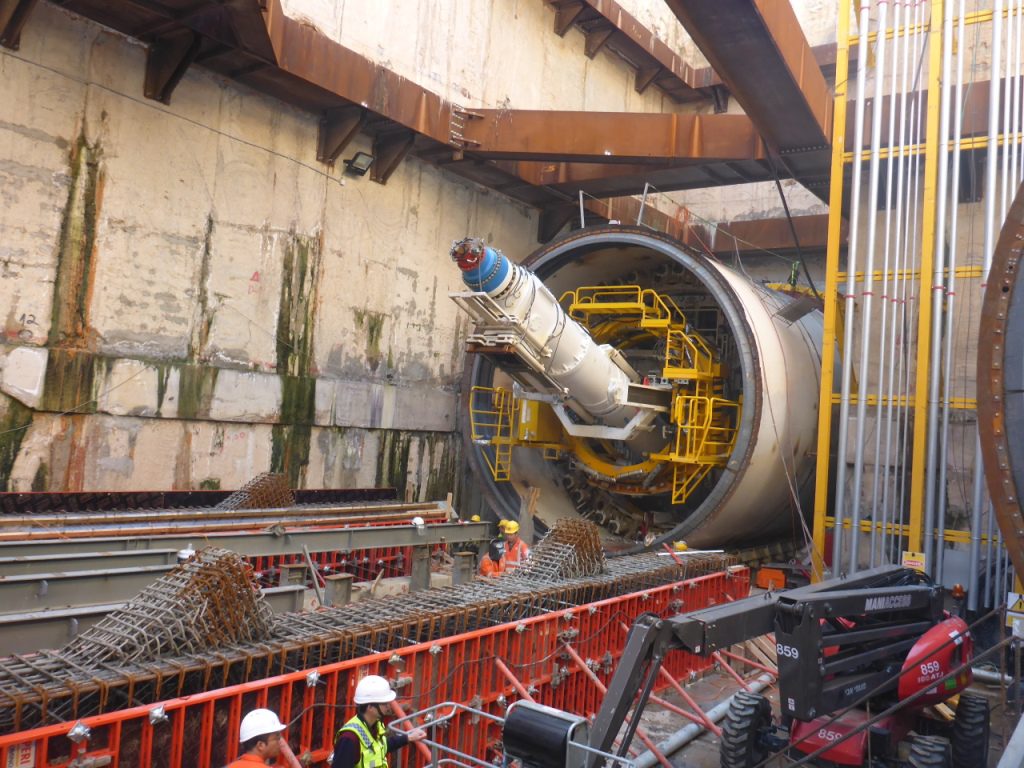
971 729
930 752
748 717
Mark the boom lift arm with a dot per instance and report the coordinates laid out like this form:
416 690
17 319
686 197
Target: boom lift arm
867 622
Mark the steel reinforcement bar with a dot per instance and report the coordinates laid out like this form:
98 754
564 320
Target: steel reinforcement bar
49 687
473 667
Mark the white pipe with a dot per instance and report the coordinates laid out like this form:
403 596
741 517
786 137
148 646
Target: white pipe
684 736
987 247
1015 91
897 284
938 288
849 304
1005 150
868 293
989 677
947 372
999 590
884 375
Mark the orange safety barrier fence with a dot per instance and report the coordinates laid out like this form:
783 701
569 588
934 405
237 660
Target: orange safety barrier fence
202 730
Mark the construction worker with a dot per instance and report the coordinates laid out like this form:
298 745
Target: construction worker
493 563
516 551
260 741
363 742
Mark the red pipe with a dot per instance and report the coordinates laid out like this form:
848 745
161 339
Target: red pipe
701 718
601 687
512 679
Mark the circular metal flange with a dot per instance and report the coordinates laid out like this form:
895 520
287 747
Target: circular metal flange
1000 387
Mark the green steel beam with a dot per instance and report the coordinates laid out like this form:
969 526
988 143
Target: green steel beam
85 561
30 631
287 541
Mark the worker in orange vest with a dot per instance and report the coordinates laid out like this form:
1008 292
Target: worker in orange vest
493 563
260 741
516 551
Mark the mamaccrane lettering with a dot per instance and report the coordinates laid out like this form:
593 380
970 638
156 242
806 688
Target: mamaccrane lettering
887 603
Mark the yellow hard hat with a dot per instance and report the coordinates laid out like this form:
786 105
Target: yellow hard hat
679 546
475 519
511 526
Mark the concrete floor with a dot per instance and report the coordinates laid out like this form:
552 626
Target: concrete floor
703 752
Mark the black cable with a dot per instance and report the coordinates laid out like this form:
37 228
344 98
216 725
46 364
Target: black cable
789 218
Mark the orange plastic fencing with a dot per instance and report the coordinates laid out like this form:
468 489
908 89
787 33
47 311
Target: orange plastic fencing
202 730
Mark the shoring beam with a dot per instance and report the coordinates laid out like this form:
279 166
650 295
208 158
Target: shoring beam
748 238
286 541
31 592
605 137
69 561
759 50
13 15
654 61
30 631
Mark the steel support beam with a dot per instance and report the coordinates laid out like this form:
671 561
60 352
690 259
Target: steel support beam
86 561
747 237
167 61
610 137
29 631
605 23
285 541
337 129
388 153
304 52
761 54
13 15
31 592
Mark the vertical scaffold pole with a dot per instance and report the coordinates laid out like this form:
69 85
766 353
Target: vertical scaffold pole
828 355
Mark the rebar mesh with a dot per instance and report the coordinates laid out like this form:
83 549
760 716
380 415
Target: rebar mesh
267 490
204 604
54 686
570 549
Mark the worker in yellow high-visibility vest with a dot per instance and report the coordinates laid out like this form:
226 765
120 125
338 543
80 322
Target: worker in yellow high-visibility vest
363 742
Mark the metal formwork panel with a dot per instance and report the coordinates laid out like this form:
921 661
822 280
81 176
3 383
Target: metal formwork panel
315 702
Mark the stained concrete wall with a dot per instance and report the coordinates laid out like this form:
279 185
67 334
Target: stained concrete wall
190 298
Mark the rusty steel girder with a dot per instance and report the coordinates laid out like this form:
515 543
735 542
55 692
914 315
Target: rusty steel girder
604 23
608 137
761 54
1001 383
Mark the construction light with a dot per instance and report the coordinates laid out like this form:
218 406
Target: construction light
359 163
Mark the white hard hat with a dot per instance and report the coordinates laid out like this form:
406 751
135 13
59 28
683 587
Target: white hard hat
186 554
374 689
417 520
259 722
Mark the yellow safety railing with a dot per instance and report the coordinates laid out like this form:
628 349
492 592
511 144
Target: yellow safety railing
704 421
651 309
491 417
706 427
688 356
